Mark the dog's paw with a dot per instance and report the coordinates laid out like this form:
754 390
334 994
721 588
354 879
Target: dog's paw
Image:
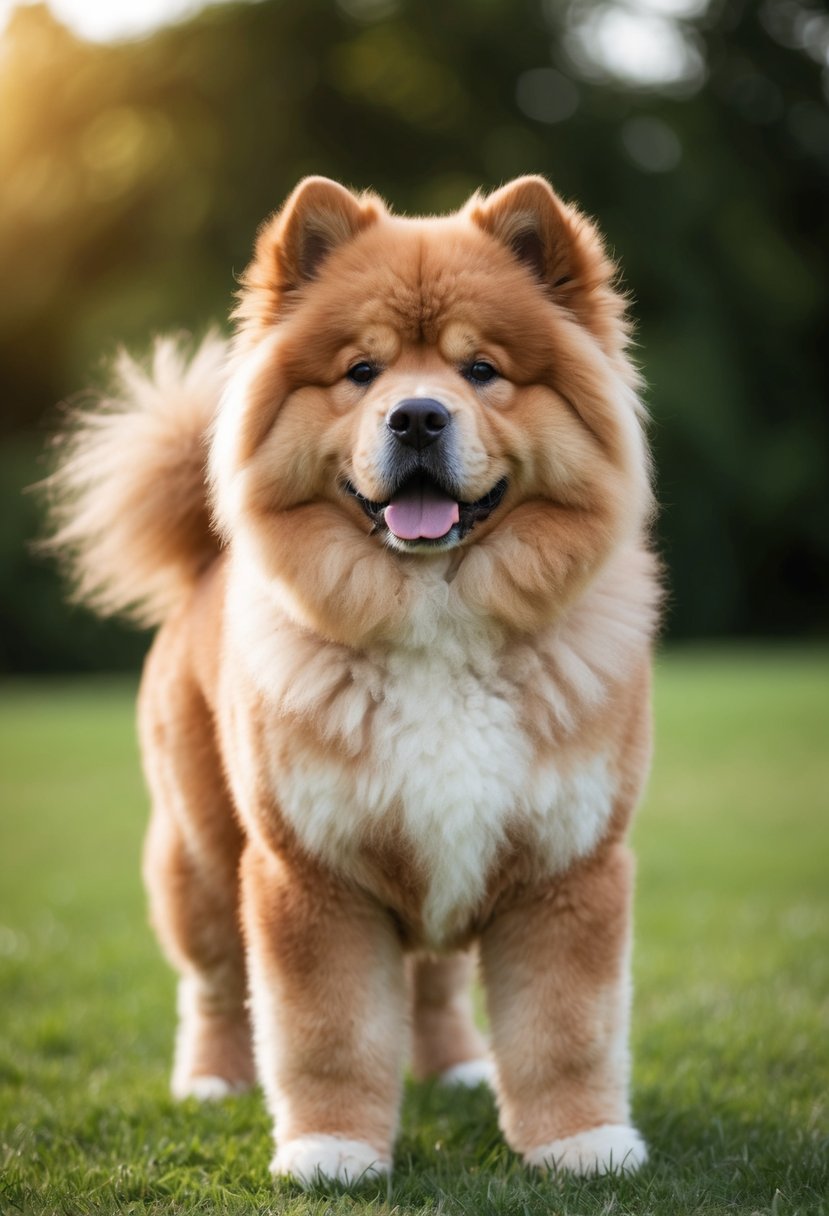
469 1074
314 1159
613 1148
207 1088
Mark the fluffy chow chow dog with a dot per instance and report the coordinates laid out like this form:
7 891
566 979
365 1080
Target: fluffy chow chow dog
394 535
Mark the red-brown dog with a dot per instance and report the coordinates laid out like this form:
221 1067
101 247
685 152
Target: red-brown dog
399 700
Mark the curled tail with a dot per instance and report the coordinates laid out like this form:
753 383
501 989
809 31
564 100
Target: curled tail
128 499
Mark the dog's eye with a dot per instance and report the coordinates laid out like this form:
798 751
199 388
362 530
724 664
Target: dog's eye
362 373
481 372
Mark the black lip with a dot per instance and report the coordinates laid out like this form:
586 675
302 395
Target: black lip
470 513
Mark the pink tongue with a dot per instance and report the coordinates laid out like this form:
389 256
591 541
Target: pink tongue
421 511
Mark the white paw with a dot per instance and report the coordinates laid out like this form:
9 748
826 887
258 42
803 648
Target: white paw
313 1159
205 1089
613 1148
469 1074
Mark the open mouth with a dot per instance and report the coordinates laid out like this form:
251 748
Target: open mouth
421 511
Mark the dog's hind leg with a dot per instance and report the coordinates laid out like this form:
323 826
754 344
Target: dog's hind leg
194 917
445 1041
191 862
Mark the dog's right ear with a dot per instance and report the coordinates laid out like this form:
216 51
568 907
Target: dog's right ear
317 217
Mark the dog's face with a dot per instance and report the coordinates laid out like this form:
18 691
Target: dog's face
430 379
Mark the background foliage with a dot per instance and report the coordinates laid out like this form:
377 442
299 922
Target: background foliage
135 175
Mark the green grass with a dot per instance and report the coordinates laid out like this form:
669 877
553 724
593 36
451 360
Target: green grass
731 1035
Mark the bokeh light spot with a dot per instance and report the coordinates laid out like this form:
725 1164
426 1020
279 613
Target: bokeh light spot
651 144
546 95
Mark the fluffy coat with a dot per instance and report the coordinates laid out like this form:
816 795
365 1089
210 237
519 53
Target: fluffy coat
370 751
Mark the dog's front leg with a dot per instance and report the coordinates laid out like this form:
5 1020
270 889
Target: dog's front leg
556 972
328 998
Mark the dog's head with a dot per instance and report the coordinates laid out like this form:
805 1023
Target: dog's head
430 378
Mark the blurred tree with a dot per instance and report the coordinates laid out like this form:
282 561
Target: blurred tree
135 176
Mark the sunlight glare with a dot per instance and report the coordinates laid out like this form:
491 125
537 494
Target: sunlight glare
111 20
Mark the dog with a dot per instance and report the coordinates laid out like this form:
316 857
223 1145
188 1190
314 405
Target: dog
396 717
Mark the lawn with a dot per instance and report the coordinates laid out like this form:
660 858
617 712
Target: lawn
731 1033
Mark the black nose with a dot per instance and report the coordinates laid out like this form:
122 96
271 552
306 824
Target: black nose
418 421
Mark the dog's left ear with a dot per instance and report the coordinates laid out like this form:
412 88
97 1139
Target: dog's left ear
560 247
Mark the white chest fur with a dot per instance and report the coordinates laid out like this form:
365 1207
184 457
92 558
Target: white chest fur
431 736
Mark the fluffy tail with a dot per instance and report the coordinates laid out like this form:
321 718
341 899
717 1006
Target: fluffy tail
128 500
